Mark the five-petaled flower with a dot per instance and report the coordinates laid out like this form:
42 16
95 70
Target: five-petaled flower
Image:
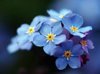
49 37
29 31
55 16
73 22
68 54
86 44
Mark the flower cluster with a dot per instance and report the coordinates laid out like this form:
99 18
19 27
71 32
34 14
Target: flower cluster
61 35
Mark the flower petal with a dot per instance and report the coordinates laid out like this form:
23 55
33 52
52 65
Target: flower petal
37 22
45 29
79 34
22 39
59 39
26 46
54 14
77 50
13 48
67 45
61 63
58 51
72 20
57 28
31 38
74 62
85 29
65 12
39 40
90 44
49 49
22 30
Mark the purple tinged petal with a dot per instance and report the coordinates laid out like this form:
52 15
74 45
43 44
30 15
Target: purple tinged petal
61 63
58 51
77 50
85 49
49 49
74 62
67 45
90 44
59 39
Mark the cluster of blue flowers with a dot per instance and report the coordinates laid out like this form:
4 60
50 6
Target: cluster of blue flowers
61 35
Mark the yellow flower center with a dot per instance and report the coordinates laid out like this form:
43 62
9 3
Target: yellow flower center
61 16
83 42
50 37
30 30
67 54
73 28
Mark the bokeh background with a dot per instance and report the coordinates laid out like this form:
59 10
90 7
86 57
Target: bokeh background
13 13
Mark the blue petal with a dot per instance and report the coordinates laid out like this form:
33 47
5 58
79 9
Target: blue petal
37 22
74 62
77 50
54 14
49 49
22 39
45 29
39 40
23 29
79 34
13 48
65 12
59 52
57 28
61 63
59 39
85 29
67 45
33 35
72 20
26 46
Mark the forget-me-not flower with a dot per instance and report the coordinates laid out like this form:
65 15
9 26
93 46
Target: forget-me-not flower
57 16
29 31
68 54
15 46
73 23
87 44
49 37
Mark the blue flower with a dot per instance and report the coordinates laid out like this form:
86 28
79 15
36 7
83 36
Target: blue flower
16 44
87 44
68 54
73 23
58 16
49 37
29 31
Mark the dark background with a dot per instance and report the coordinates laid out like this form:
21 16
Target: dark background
13 13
